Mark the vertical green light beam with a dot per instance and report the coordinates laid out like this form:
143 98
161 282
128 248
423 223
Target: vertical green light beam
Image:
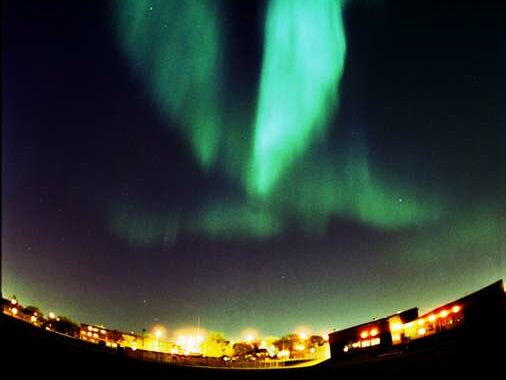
303 63
175 46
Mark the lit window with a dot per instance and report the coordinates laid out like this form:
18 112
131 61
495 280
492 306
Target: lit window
396 337
90 328
421 331
456 309
364 334
375 341
432 318
365 343
444 313
374 332
355 345
421 322
396 327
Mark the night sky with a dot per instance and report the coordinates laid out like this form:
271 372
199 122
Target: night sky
241 164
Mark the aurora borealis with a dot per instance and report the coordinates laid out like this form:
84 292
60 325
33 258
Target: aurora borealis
263 164
297 99
303 62
176 45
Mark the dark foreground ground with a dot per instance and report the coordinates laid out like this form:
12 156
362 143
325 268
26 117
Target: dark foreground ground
28 351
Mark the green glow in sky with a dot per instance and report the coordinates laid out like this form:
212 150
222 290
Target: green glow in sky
237 222
303 62
278 160
175 46
141 226
320 188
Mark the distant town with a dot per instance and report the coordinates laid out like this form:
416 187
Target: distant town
193 345
458 335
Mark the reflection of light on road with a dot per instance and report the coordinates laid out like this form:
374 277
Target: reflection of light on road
309 363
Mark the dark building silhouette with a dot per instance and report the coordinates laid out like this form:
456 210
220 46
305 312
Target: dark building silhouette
468 322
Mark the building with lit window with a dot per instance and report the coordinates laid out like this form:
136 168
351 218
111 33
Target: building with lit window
368 338
107 337
468 320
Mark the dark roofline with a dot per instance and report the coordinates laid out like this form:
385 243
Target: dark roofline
475 295
468 299
473 298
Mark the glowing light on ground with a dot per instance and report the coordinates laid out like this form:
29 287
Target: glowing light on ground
249 335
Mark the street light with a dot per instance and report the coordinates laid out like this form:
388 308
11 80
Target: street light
302 332
250 335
